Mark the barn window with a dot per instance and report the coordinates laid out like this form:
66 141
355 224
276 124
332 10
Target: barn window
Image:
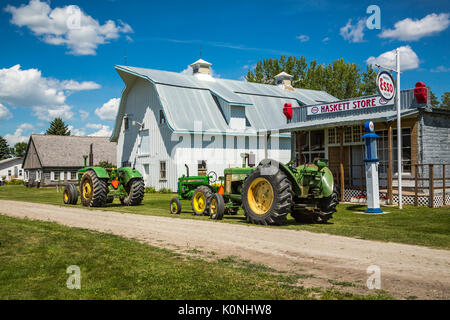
125 123
162 118
201 167
162 170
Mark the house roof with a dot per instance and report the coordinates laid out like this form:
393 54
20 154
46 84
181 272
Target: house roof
5 161
68 151
183 96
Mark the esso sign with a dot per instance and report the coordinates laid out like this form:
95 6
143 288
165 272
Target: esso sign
385 85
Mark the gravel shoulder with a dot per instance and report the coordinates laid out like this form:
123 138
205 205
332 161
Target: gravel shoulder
332 261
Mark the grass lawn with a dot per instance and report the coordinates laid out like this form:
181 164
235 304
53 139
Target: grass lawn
34 257
412 225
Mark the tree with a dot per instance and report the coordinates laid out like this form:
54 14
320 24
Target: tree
339 78
19 149
106 165
434 102
58 128
5 153
445 100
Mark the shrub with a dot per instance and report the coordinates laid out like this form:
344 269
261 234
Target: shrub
165 190
150 190
14 182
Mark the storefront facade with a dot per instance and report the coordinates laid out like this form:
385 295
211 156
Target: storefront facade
334 131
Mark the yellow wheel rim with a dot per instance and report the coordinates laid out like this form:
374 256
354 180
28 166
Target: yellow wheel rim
174 207
87 189
199 202
66 197
213 207
260 196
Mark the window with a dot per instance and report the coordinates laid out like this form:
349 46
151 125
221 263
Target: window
312 144
162 170
9 173
52 176
202 167
144 145
162 118
27 175
61 176
20 173
74 175
352 135
383 150
69 175
332 136
125 122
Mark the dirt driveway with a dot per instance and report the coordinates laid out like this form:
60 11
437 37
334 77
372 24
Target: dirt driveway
334 261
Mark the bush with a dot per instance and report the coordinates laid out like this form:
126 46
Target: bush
165 190
150 190
14 182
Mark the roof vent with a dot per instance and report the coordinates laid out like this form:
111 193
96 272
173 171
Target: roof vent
284 80
201 66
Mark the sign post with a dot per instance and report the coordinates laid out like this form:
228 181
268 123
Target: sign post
371 164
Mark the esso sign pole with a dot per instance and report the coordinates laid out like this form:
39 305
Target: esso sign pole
387 89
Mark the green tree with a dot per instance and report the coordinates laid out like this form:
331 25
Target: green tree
19 149
5 153
339 78
434 102
58 128
106 165
445 100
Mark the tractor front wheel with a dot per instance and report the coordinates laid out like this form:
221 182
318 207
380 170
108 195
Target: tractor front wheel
94 191
175 206
200 200
135 189
267 196
217 207
70 194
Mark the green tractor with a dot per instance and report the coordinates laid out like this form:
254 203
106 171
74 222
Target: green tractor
99 186
199 189
270 191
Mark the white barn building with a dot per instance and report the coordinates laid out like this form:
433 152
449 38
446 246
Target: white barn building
167 120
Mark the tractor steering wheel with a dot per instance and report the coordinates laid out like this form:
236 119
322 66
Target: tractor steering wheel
213 176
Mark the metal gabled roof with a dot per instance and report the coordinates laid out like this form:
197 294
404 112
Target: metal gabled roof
188 97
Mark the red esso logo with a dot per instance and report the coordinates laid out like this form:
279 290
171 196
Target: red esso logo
386 86
315 110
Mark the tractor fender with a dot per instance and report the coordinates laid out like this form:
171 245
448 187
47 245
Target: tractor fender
129 174
327 182
290 175
99 171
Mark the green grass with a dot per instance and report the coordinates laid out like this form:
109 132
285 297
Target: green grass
412 225
34 257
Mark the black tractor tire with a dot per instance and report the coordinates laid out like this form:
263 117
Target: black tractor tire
328 206
135 189
99 190
201 200
217 207
175 206
280 197
70 194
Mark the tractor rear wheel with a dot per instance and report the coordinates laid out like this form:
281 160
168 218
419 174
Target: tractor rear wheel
175 206
267 198
94 191
217 207
135 189
70 194
328 206
200 200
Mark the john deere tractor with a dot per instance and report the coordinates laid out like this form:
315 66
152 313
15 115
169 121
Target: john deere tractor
199 189
99 186
271 191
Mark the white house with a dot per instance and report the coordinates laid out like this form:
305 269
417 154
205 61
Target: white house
167 120
11 169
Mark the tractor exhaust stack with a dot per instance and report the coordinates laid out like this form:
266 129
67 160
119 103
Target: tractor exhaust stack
91 157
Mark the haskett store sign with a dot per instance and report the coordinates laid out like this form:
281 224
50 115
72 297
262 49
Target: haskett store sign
352 104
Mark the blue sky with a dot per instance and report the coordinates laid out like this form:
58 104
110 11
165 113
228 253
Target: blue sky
70 73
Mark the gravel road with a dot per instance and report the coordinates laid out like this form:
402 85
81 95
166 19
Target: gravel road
406 270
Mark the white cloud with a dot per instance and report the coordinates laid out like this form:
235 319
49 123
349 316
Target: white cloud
353 33
76 132
49 113
28 88
109 109
440 69
5 114
326 39
18 135
73 85
68 26
83 114
414 30
303 38
104 131
95 126
408 59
